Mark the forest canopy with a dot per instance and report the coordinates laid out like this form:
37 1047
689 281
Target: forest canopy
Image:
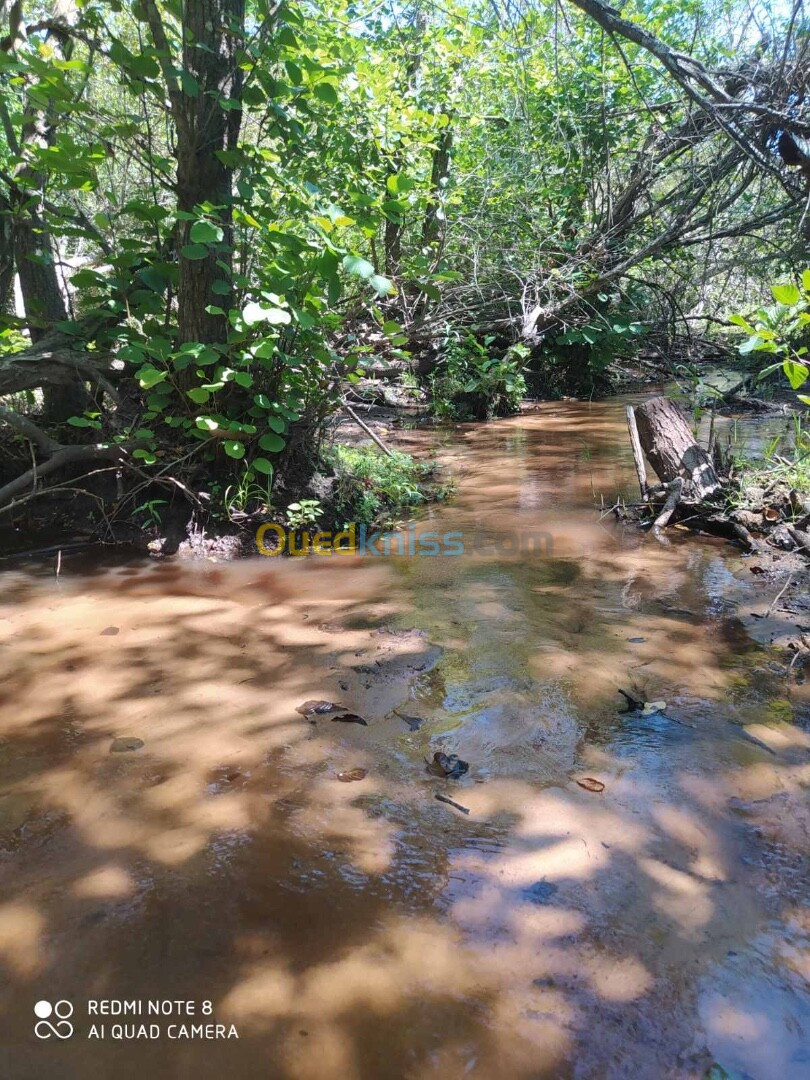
216 214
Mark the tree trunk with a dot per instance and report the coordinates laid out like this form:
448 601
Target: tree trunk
31 239
670 446
213 31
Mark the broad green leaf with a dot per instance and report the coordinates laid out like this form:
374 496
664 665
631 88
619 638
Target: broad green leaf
326 92
738 320
198 395
262 465
149 376
254 313
806 280
234 448
796 373
195 252
786 294
272 443
356 265
204 232
381 285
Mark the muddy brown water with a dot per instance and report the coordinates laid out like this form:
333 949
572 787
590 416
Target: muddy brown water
364 929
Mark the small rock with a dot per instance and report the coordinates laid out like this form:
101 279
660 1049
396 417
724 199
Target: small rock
125 743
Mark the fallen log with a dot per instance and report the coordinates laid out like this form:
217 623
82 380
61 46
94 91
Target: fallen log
691 491
673 452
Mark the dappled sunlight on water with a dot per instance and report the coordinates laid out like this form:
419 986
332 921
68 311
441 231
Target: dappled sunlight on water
363 929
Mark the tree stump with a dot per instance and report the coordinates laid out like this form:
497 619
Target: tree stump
670 446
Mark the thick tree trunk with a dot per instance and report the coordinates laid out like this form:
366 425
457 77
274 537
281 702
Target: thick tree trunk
670 446
213 31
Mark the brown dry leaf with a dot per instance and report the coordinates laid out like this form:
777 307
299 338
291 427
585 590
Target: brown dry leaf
590 784
307 708
770 513
109 631
352 774
351 718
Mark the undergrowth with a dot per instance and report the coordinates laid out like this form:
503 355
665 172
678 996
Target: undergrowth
374 489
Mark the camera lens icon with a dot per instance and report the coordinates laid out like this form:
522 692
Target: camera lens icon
61 1027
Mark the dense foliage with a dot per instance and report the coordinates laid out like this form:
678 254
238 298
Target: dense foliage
204 207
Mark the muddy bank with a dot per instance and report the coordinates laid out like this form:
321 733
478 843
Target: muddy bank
363 928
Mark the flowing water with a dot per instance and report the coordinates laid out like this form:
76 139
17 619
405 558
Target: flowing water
365 929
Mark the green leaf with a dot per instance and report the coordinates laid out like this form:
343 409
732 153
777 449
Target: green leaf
272 443
206 423
81 421
191 87
356 265
194 251
243 378
738 320
198 395
262 465
796 373
233 448
786 294
276 424
149 376
806 280
326 92
204 232
254 313
381 285
399 183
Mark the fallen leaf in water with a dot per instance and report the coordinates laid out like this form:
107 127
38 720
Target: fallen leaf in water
351 718
309 707
413 722
590 784
127 742
757 569
449 766
636 640
653 707
352 774
109 631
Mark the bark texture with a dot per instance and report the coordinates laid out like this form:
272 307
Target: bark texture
670 446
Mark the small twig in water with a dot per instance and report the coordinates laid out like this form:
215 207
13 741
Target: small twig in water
451 802
778 597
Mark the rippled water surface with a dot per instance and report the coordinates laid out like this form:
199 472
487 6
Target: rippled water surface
365 929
